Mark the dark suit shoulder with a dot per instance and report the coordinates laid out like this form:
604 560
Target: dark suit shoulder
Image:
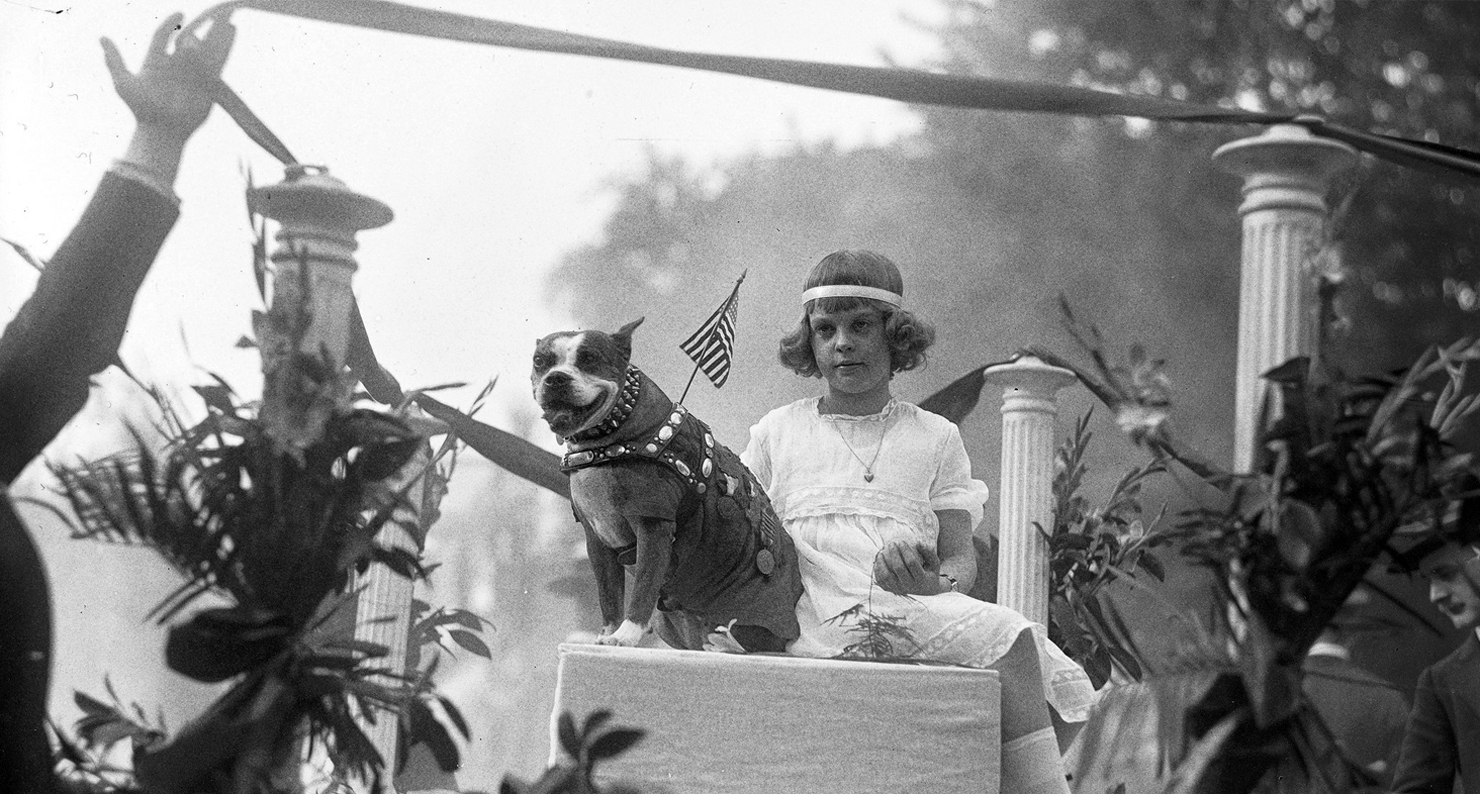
1461 661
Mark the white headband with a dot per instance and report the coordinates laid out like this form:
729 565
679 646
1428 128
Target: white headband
851 291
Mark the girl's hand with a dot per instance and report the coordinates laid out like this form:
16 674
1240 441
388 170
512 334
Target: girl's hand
171 91
908 568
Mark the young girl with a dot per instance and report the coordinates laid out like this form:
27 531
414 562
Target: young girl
878 496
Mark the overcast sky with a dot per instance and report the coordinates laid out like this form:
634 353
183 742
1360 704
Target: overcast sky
493 160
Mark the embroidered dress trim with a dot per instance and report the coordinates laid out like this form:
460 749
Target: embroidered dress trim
821 500
883 414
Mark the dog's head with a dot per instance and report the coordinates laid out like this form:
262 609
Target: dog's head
578 376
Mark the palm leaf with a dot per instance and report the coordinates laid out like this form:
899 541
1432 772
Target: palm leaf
509 451
959 397
1187 777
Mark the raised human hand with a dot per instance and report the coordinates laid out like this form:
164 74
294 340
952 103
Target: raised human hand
171 91
908 568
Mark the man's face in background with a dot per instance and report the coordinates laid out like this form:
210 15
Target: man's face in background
1454 583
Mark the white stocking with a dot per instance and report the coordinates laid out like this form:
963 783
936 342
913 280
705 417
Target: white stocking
1031 764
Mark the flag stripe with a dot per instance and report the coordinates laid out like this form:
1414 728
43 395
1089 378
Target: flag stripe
711 347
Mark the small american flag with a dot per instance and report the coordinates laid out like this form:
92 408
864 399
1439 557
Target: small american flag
711 346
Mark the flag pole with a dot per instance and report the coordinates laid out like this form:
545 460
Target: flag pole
725 308
690 383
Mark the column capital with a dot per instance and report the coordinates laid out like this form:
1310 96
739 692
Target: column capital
318 215
1027 382
310 194
1285 166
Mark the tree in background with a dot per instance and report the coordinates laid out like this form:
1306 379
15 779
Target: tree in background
1002 211
1403 68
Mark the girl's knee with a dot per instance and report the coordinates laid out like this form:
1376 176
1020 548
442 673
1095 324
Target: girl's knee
1024 705
1021 657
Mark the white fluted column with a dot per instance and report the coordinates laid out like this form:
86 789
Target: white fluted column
1029 413
318 217
1287 172
383 610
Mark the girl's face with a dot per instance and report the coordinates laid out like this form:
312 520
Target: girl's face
851 352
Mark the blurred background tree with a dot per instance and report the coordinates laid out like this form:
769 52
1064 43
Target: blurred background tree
1401 68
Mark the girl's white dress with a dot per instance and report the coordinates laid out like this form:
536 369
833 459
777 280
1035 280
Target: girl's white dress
839 521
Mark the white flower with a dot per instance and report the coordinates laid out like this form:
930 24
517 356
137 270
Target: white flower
1140 421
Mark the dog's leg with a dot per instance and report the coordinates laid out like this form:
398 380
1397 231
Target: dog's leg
611 583
654 549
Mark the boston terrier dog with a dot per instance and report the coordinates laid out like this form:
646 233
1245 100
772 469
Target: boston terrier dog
658 496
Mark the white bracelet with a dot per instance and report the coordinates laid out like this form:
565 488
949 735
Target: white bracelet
146 176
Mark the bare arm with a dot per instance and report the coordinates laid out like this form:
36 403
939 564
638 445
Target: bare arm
957 554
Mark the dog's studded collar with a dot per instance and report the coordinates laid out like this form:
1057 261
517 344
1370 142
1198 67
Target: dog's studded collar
656 447
626 401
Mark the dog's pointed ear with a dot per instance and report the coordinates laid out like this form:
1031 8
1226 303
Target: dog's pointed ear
624 334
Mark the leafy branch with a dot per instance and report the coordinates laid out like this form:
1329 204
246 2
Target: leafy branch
445 628
1340 464
1088 549
584 746
277 533
877 634
880 637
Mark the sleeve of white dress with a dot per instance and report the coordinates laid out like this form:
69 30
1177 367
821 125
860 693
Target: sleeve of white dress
953 488
757 455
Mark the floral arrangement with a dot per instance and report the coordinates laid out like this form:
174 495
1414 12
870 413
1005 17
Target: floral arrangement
270 509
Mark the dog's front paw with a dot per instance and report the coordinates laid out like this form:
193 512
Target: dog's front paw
627 635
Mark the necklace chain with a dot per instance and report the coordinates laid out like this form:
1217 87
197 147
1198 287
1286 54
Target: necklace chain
868 467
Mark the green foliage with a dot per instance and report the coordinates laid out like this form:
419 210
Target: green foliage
1342 463
584 746
444 628
276 533
1089 549
80 763
102 724
281 553
880 637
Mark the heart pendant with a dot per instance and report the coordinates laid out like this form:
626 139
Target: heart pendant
868 476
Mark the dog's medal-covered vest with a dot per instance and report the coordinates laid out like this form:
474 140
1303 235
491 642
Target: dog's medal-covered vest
684 444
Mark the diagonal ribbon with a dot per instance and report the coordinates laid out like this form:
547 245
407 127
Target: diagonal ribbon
510 452
905 85
255 129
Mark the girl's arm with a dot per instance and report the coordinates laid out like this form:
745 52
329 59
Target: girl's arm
957 554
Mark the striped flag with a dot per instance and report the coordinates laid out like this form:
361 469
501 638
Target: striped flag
711 346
